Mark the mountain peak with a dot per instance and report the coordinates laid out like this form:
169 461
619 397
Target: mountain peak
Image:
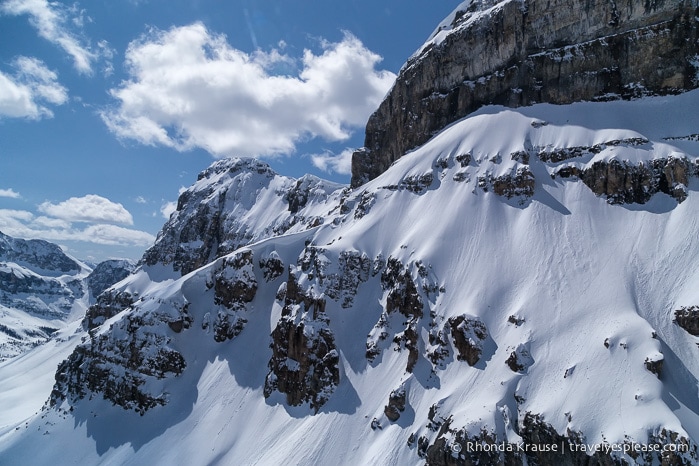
234 202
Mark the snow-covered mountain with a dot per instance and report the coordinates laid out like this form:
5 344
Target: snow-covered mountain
42 289
482 288
519 289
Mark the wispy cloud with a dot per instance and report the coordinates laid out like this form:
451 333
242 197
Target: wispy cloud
340 163
53 21
90 219
24 224
90 208
26 92
11 193
189 88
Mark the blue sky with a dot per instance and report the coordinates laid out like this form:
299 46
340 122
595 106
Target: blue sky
108 108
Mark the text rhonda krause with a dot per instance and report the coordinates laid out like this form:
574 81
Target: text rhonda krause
575 447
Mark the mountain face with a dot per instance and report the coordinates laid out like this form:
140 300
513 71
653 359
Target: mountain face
107 273
520 289
517 53
41 289
233 203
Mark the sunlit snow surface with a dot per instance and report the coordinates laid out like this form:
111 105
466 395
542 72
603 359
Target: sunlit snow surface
577 271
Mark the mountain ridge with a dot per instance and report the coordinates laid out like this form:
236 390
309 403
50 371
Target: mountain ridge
466 351
522 280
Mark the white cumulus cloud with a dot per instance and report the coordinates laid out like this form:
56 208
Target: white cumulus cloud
340 163
9 193
90 208
189 88
167 209
25 93
24 224
52 21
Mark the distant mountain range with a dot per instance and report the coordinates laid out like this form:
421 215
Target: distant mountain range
42 289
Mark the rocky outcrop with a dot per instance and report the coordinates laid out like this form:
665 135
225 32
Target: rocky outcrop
468 336
622 182
688 319
542 445
305 362
234 286
517 53
396 404
520 183
119 364
520 359
109 304
407 290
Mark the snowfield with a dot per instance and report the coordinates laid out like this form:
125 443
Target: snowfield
577 295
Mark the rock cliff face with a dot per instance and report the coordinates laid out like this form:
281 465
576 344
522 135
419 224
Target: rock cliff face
521 52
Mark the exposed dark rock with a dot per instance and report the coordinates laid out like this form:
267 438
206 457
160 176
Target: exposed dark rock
414 183
626 183
464 160
516 320
520 183
555 155
688 319
235 283
354 268
305 363
440 346
519 54
396 404
520 359
109 304
272 266
468 336
366 201
654 364
403 295
119 364
521 156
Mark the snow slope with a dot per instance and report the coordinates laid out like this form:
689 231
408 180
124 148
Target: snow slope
576 294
